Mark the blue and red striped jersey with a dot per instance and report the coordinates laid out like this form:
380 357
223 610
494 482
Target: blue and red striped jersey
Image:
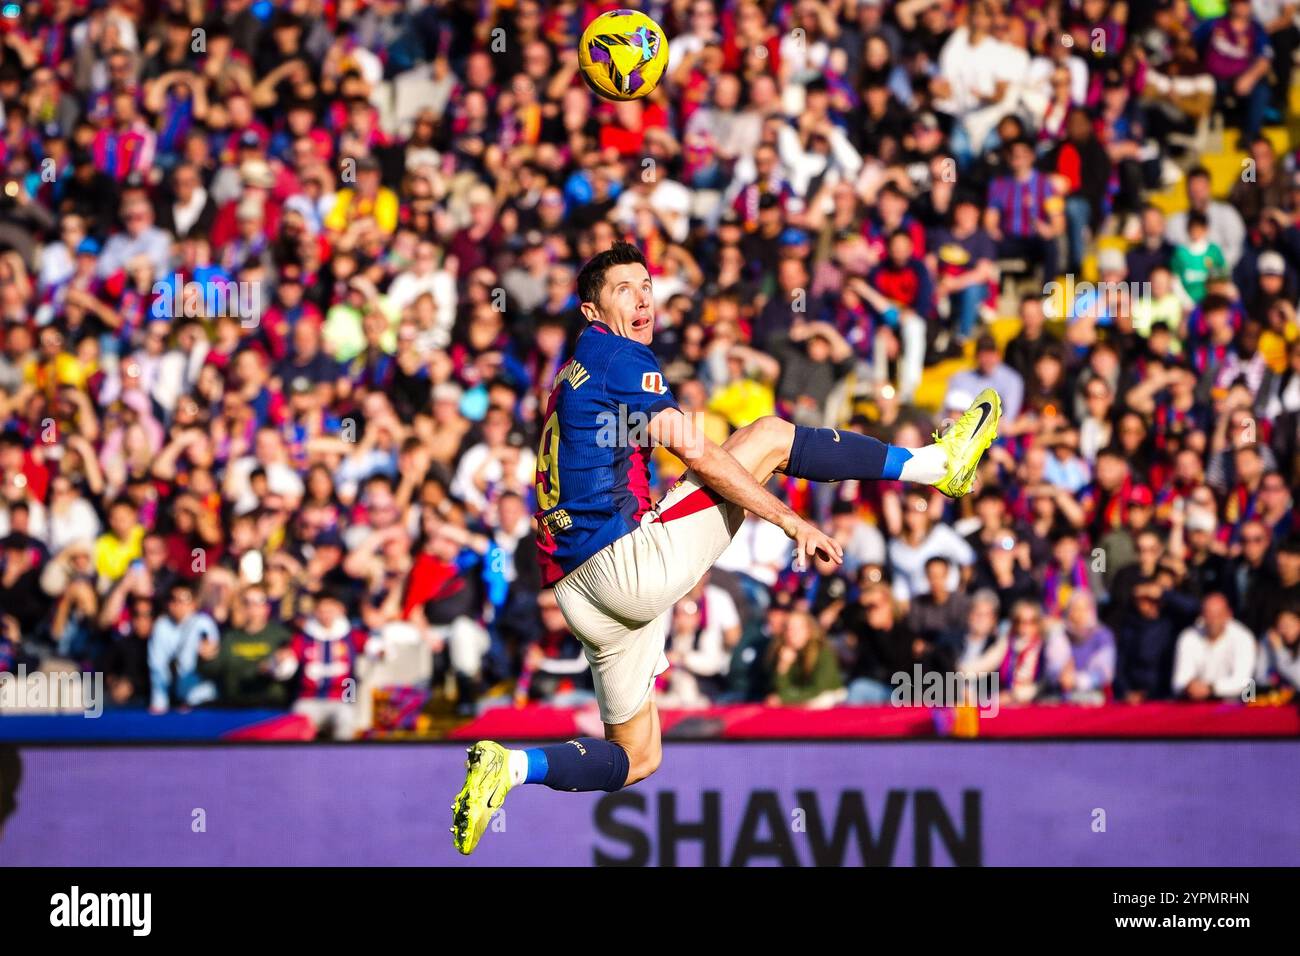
593 476
328 659
1022 204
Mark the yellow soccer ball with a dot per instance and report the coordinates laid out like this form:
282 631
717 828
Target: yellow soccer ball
622 54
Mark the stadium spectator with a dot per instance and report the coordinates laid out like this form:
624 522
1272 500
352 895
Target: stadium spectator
69 580
1216 656
1288 569
747 672
802 666
1255 577
554 669
938 612
924 537
989 372
965 262
1237 55
126 662
883 649
1226 230
242 664
979 647
1278 664
1023 671
176 642
1080 653
324 655
21 596
1025 215
1145 642
704 631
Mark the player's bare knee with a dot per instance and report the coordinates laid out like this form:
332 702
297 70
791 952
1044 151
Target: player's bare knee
763 444
643 762
779 436
772 431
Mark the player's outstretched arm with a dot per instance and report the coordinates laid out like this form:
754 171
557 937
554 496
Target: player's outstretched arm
722 472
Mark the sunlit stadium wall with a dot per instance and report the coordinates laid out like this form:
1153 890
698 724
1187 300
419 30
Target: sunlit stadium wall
883 803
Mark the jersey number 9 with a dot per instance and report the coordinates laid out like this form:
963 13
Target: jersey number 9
548 465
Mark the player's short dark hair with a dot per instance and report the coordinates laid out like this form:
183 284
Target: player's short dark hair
592 277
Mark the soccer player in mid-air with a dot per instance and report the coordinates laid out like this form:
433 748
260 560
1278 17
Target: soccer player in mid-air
619 562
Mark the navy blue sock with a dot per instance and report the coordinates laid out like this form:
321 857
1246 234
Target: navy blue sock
582 764
825 454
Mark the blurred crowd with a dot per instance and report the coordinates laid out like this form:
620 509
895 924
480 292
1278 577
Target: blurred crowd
284 286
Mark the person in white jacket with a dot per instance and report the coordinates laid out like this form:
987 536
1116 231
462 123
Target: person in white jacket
69 516
1215 657
815 149
982 78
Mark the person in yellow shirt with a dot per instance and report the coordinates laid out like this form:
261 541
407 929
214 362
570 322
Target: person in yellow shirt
743 401
116 548
53 367
367 199
694 400
1278 335
747 395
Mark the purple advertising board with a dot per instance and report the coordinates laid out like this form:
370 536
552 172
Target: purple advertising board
902 803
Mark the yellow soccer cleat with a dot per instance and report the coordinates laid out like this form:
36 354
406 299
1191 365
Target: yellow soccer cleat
966 441
486 784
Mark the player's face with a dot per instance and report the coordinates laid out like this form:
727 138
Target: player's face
626 303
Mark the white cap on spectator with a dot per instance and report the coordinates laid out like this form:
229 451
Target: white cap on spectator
1271 264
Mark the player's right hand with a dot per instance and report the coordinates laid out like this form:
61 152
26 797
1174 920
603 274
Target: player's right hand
810 541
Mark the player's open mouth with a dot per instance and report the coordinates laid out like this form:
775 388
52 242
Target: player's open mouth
640 323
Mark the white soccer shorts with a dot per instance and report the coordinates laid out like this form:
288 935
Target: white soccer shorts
619 602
